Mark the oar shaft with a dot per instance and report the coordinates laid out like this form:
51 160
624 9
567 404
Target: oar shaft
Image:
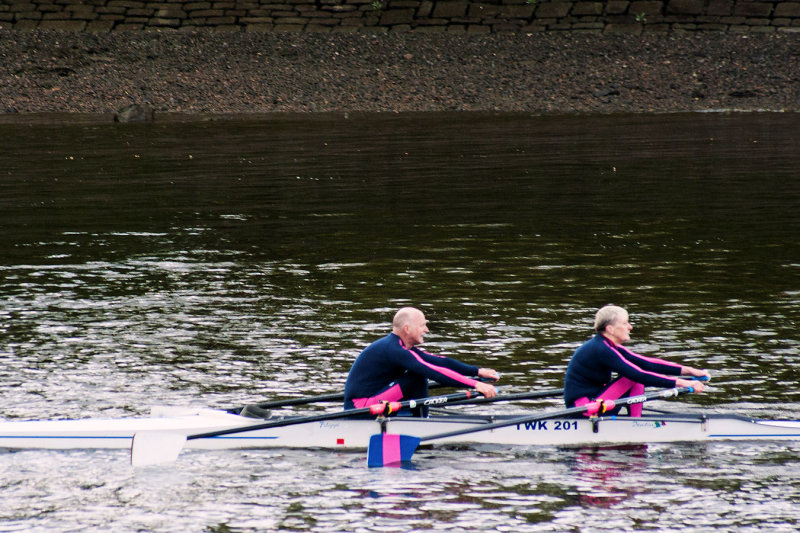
549 393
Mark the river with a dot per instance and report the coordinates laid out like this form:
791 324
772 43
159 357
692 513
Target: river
221 262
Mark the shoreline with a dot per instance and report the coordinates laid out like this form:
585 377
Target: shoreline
67 118
206 74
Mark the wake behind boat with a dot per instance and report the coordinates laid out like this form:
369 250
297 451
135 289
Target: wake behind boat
355 433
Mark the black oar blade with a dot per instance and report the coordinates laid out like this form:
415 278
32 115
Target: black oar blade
387 449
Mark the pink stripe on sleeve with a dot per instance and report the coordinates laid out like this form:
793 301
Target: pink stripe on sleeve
452 374
635 367
653 359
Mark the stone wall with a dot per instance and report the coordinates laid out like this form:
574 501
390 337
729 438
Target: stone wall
464 16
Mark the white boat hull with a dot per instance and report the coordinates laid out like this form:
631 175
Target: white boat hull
348 433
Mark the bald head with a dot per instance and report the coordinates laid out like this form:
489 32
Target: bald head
405 316
410 325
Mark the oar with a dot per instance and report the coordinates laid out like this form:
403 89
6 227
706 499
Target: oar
333 397
385 448
152 447
531 395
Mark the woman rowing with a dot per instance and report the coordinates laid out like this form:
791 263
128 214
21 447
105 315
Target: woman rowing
394 368
589 373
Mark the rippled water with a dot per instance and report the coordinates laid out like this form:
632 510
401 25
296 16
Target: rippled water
216 263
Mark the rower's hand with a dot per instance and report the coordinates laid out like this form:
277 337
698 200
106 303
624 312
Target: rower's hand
696 372
488 373
696 385
487 390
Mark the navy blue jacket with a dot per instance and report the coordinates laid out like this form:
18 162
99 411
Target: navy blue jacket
386 359
590 370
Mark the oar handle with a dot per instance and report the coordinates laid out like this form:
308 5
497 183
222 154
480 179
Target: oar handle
549 393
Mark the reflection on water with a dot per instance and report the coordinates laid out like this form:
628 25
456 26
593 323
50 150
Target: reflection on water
217 263
607 471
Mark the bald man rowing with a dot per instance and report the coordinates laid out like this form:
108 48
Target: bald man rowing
394 368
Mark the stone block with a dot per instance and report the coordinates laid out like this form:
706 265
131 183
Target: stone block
294 28
207 13
733 21
720 8
685 7
290 20
321 21
22 6
130 4
29 15
712 27
450 9
426 29
26 25
63 25
753 9
587 8
50 8
516 11
258 28
617 7
100 26
111 10
425 9
481 11
553 9
391 17
79 9
787 9
649 8
164 22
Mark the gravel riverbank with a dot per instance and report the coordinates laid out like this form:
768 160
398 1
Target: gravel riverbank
210 73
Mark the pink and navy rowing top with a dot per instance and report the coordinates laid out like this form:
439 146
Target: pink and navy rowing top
388 370
590 369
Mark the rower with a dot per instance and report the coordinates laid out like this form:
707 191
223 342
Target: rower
589 373
394 368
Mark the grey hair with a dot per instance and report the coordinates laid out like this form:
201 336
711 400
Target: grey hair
607 315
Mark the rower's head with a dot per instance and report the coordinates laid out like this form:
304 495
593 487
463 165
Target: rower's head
612 322
410 325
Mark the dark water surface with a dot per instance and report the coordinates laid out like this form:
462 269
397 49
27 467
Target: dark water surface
220 262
